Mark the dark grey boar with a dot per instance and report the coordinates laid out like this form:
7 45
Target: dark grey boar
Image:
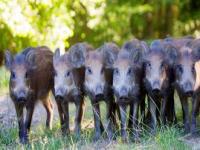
31 79
186 64
98 85
158 83
127 84
68 87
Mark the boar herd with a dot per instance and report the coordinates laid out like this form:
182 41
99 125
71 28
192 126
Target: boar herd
139 76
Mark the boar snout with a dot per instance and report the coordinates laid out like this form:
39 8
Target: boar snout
21 96
123 93
187 88
156 87
99 91
59 94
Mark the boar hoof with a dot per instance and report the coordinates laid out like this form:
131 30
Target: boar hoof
153 131
135 138
193 130
78 132
96 137
24 140
187 128
124 140
65 132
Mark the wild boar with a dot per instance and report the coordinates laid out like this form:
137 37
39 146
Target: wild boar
186 63
69 78
158 83
127 84
31 79
98 85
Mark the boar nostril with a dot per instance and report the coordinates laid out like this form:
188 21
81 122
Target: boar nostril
123 92
188 88
99 96
156 90
21 99
59 97
123 97
99 90
189 93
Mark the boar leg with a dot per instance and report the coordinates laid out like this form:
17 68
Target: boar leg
65 127
195 110
49 109
110 121
29 115
22 129
171 115
135 128
97 121
60 112
153 122
142 107
79 116
186 116
163 110
113 107
130 120
123 122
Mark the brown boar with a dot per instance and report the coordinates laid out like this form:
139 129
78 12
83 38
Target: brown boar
31 73
127 84
185 60
158 83
68 84
98 85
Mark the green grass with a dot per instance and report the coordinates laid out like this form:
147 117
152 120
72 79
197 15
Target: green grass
41 138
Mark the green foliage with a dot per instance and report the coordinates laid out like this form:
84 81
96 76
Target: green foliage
59 23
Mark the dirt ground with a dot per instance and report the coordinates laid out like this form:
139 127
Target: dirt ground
8 118
8 114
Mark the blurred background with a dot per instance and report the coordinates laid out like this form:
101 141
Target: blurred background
61 23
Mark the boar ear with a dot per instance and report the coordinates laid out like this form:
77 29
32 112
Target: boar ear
78 54
157 45
110 52
137 56
137 50
56 54
145 47
30 58
8 59
195 46
171 54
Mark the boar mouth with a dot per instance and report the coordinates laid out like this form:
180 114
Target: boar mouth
189 93
21 99
99 96
156 91
123 99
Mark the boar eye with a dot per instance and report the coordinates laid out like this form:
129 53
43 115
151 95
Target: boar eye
13 76
147 64
89 71
67 74
129 71
193 68
102 70
116 71
179 68
162 65
55 73
26 75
